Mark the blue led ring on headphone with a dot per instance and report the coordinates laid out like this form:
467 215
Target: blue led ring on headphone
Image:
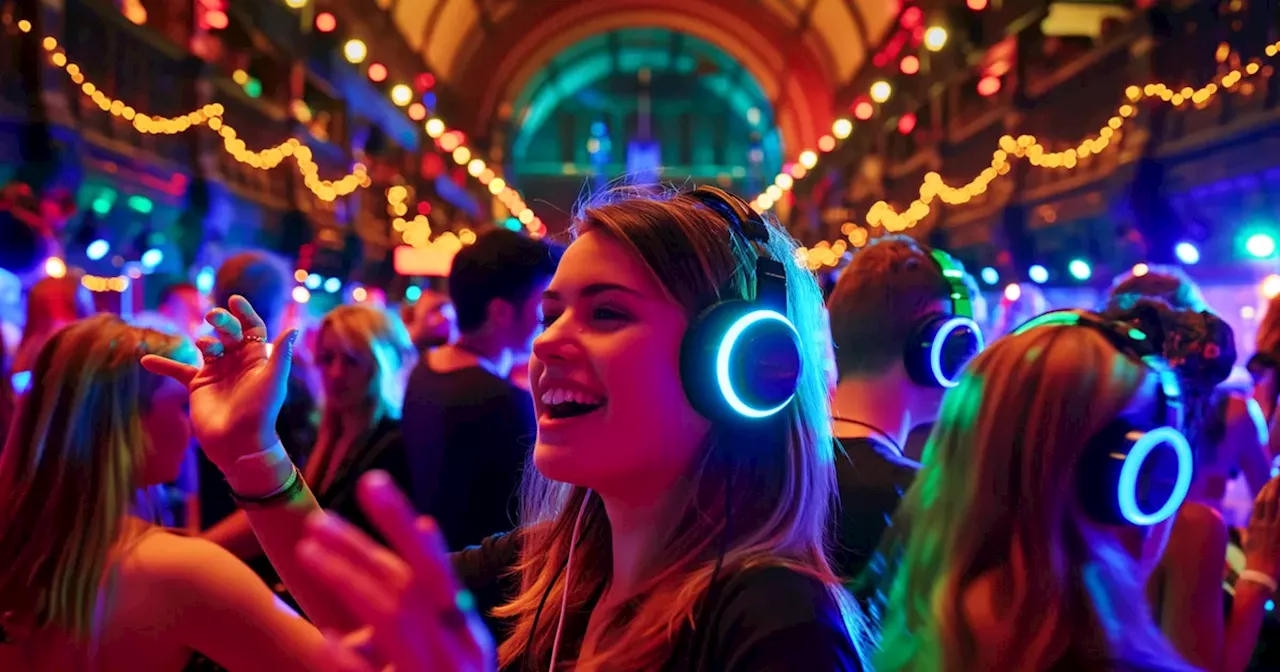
1137 469
740 360
1131 470
942 343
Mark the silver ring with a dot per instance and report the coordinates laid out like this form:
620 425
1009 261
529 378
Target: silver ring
255 339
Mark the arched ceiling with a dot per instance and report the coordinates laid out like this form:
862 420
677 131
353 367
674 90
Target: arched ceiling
627 52
799 51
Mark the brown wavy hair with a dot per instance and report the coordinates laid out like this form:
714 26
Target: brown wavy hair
996 499
781 498
69 470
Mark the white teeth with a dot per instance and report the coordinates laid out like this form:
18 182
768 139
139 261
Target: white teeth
560 395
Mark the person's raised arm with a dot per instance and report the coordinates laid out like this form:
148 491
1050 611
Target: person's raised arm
235 397
1247 432
235 534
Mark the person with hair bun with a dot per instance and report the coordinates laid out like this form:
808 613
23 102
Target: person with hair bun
1230 430
1186 588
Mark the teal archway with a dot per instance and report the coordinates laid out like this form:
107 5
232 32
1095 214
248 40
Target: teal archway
711 119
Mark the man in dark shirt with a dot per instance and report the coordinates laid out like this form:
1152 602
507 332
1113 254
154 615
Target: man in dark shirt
879 299
467 429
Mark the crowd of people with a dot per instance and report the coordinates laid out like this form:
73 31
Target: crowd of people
662 446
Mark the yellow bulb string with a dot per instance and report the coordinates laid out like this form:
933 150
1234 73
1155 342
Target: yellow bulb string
1028 147
211 116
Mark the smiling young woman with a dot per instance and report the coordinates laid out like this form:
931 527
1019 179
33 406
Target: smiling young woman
679 509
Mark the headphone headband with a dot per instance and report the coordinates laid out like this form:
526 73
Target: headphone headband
1129 340
771 275
752 228
953 273
1114 463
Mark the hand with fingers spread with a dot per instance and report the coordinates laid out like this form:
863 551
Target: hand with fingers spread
421 618
237 393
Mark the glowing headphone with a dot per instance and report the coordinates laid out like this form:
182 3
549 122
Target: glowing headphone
942 343
740 360
1136 470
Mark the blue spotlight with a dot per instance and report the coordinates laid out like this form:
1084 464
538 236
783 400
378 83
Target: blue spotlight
97 249
1187 253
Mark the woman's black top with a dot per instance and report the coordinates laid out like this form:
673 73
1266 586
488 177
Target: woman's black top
383 450
761 619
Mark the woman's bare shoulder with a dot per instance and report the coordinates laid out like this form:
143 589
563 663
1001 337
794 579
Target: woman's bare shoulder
160 559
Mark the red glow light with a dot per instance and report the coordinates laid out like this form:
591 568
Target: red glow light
424 208
863 110
907 123
217 20
325 22
910 65
911 17
377 72
977 5
424 81
989 86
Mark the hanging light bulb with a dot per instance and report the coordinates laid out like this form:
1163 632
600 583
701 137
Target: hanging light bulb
401 95
355 51
880 91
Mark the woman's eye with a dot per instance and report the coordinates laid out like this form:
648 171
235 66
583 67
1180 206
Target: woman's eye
603 313
549 319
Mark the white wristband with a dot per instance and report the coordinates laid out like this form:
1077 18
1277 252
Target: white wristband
1259 578
253 474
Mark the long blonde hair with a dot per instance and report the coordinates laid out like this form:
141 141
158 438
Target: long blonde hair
70 468
779 488
380 340
996 498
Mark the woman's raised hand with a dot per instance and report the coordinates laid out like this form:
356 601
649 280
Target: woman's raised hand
420 616
238 391
1262 540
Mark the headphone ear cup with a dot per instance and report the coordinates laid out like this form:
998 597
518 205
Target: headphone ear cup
938 349
740 362
1130 477
1098 473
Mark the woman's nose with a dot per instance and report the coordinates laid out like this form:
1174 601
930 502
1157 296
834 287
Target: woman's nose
556 341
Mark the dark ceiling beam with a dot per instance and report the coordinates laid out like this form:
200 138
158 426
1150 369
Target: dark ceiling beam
674 49
860 25
429 26
614 44
482 13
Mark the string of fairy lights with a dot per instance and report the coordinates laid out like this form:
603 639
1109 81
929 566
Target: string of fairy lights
212 116
1028 147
